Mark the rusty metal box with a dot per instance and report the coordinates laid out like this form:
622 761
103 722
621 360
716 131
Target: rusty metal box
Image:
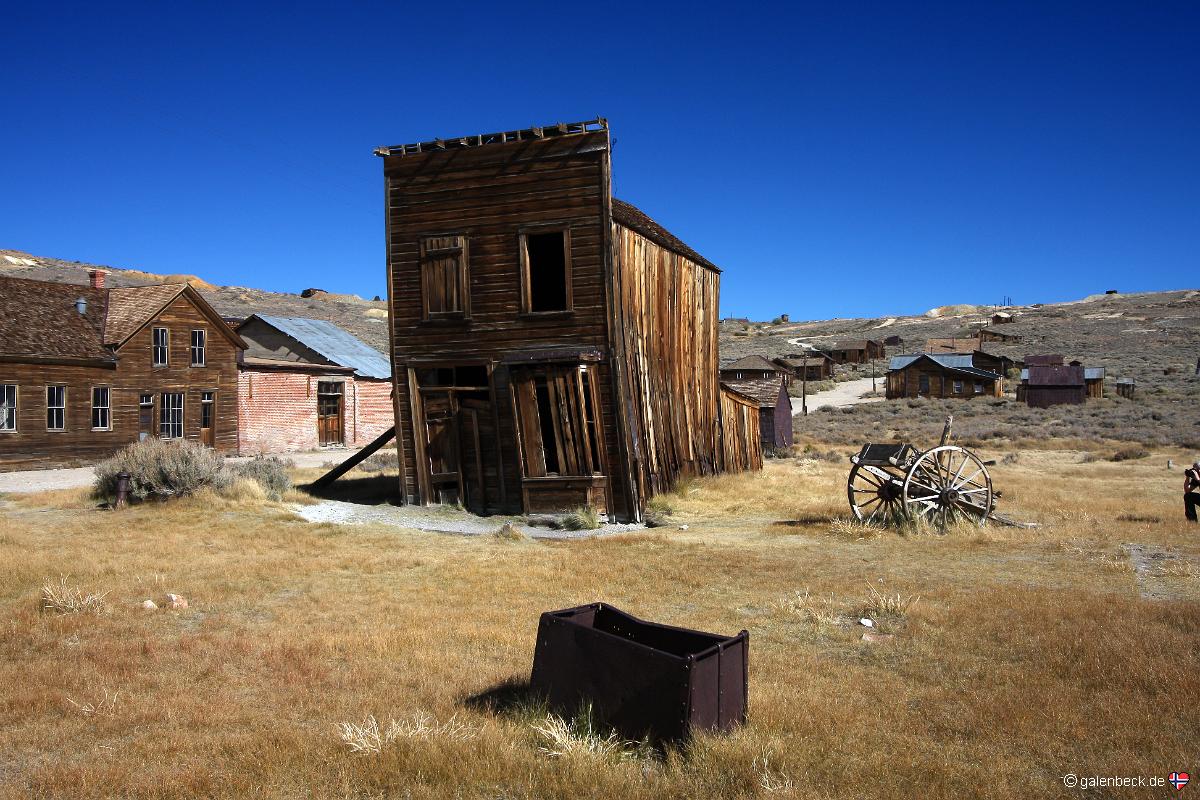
640 678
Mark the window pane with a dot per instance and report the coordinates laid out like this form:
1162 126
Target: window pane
199 342
8 407
547 270
100 408
171 416
56 411
161 347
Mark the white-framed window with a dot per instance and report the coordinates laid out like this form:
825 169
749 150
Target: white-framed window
161 347
170 424
199 346
56 408
101 409
958 387
8 407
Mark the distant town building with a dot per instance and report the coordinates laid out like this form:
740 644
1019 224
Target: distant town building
750 368
774 408
940 375
855 351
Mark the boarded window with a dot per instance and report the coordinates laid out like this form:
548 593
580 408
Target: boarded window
199 348
445 280
161 347
8 407
546 271
101 410
556 413
56 408
170 425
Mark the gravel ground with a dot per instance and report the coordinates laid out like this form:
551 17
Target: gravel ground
439 519
44 480
847 393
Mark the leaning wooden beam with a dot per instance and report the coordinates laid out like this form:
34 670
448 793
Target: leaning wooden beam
354 460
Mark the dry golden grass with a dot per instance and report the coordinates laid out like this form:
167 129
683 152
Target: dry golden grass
326 661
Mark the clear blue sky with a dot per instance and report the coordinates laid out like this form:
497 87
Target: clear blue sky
836 159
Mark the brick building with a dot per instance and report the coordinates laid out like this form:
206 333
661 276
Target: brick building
306 383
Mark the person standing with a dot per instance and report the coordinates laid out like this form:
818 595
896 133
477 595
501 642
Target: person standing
1191 491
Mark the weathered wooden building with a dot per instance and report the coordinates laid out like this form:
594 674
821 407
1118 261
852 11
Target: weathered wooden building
940 375
953 344
750 368
813 367
994 334
551 346
1003 318
774 409
85 370
306 383
1047 381
855 351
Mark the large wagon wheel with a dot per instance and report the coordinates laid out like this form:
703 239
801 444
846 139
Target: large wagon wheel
948 483
875 494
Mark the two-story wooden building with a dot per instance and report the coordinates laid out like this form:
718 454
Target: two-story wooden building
85 370
552 346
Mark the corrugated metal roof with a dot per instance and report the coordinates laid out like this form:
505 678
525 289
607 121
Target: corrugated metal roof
1093 373
333 343
955 362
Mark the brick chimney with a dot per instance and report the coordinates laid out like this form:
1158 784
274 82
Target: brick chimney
97 278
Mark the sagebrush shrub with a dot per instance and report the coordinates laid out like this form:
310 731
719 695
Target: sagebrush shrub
269 472
161 468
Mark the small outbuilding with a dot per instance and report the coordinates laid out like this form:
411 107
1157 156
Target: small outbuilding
306 383
774 409
1003 318
813 367
1047 381
856 351
993 334
750 368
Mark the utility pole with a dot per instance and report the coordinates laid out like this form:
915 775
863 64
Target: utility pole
872 375
804 386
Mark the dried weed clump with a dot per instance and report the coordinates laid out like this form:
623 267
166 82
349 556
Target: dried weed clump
61 598
367 737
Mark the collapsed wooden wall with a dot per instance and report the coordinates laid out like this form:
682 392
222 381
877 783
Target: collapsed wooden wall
741 439
667 330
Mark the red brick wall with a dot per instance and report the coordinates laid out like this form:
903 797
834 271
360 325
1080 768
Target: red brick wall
277 411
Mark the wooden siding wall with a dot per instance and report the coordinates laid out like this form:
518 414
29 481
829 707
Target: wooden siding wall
32 446
668 314
741 443
489 194
907 382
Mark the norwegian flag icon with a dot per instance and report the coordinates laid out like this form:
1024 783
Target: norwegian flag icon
1178 779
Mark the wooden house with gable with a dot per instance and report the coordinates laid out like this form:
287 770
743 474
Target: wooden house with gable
85 370
551 346
940 375
774 408
750 368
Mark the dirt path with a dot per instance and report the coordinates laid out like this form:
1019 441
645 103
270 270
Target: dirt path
45 480
847 393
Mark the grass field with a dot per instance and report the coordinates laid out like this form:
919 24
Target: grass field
1028 655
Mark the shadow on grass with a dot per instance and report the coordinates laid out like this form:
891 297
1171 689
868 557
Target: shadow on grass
803 521
512 697
370 491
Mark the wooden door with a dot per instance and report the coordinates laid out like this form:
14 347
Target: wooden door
329 413
145 416
440 412
479 458
207 417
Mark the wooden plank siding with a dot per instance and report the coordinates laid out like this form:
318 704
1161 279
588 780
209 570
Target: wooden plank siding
741 444
639 334
906 382
33 446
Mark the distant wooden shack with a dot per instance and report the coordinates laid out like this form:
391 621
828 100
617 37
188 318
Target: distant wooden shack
1126 387
939 375
774 409
855 351
552 346
1093 379
1003 318
1046 381
993 334
894 341
750 368
813 367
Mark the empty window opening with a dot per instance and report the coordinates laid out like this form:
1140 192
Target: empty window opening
161 347
56 408
171 424
545 415
546 267
8 406
101 410
199 348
